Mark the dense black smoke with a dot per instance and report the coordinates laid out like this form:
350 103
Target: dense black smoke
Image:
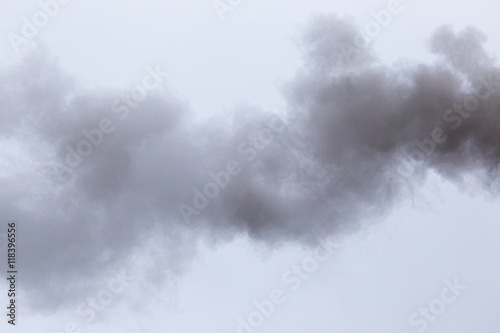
354 134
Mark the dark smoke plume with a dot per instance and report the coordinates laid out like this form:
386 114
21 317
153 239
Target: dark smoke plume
354 134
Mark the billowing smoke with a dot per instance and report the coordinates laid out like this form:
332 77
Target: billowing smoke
91 177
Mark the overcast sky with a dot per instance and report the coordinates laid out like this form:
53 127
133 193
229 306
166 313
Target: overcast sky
251 166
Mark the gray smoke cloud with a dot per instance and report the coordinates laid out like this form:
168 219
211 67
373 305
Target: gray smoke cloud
354 135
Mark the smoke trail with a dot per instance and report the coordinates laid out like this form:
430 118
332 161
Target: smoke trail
354 136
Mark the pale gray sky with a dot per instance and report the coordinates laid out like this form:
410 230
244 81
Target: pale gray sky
224 79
